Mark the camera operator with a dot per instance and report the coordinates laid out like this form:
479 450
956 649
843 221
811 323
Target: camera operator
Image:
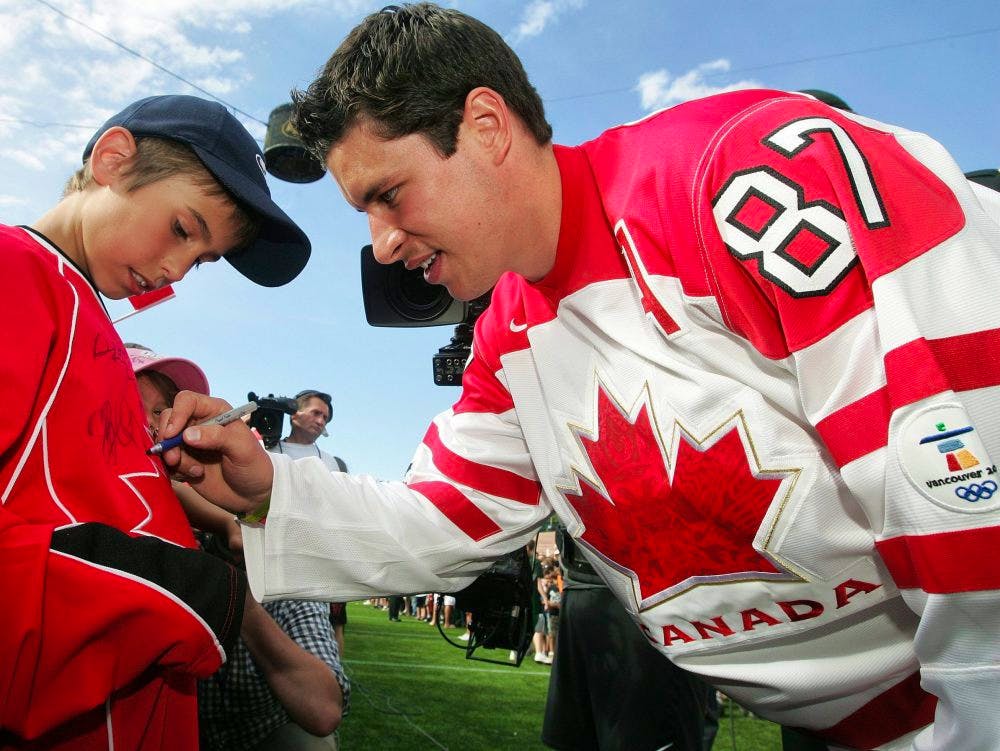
315 408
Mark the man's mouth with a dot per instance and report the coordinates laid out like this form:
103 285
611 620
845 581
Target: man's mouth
427 264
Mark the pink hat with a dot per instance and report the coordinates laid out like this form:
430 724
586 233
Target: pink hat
184 373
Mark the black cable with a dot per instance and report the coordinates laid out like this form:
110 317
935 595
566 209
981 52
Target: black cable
152 62
391 709
815 58
37 124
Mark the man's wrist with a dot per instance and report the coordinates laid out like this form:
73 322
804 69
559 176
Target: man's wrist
257 515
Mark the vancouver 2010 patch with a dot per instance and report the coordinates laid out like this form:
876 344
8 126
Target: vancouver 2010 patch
943 456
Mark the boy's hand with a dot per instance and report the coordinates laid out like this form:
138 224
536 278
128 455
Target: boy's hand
225 463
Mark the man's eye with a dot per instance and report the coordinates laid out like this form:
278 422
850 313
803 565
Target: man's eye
389 197
179 230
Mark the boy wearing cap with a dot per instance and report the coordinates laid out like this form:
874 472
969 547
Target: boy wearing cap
110 613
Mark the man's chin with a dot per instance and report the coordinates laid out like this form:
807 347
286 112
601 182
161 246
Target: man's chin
464 293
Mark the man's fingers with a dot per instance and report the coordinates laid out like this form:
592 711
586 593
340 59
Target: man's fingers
189 408
193 473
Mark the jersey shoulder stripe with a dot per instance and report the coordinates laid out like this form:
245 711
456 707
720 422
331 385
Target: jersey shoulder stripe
461 511
481 477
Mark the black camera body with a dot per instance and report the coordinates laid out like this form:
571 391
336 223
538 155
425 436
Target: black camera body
400 298
269 416
499 601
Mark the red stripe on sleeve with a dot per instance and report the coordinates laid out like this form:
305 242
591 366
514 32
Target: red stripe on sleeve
463 513
482 477
925 367
946 562
914 371
857 429
900 710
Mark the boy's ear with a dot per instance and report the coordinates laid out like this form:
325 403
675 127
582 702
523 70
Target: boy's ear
112 155
488 119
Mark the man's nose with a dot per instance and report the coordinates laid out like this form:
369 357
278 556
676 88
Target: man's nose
387 240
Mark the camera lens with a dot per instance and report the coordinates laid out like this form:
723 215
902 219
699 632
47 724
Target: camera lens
412 297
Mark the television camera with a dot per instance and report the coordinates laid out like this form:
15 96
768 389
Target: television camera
269 416
499 601
400 298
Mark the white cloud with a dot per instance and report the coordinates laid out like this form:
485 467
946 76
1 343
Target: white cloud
539 14
221 85
56 74
658 89
12 200
117 78
23 158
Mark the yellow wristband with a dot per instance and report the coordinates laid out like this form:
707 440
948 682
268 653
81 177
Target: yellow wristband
257 516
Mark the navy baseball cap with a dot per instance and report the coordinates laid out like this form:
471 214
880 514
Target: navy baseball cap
231 154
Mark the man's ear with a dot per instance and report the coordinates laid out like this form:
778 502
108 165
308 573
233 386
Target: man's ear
488 120
111 156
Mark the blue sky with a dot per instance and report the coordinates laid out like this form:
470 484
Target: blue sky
928 66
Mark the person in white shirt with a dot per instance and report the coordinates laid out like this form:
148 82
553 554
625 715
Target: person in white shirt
315 408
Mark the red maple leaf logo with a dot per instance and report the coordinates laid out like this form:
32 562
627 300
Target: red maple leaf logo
699 526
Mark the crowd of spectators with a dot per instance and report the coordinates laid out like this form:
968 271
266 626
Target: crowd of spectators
430 607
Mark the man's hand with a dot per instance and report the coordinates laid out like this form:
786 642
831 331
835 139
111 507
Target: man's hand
225 463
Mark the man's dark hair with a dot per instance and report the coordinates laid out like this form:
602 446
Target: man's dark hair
408 69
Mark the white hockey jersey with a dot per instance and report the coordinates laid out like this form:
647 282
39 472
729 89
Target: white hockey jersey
760 388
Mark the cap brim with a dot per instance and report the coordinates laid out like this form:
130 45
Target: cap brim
184 373
281 249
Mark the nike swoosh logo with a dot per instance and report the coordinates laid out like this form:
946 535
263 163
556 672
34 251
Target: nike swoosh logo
517 328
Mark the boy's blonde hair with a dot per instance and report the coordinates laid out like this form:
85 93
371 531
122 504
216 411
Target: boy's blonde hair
159 158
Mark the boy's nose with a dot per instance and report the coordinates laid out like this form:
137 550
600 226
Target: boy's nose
176 265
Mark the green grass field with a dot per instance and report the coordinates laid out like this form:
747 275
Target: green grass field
411 690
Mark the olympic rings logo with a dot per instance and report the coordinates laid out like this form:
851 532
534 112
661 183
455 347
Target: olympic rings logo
976 492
